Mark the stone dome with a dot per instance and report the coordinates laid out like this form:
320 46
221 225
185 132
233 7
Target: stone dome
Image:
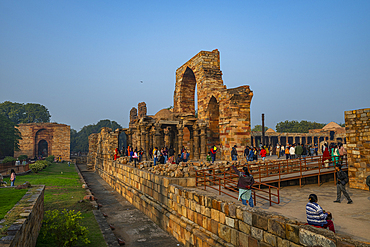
164 114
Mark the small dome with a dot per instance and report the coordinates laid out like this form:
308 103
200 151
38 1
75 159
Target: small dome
270 130
331 126
164 114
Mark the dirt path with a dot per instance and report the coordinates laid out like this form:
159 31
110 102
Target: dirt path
130 224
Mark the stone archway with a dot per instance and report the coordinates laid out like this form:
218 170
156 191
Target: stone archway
42 148
42 135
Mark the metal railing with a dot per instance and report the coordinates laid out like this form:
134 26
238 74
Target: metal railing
224 180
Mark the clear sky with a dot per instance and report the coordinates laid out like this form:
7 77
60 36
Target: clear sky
84 60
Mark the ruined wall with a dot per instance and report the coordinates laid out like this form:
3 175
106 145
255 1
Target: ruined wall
24 230
200 218
56 135
203 71
142 110
358 147
133 114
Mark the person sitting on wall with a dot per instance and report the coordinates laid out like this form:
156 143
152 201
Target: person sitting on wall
316 216
2 183
209 159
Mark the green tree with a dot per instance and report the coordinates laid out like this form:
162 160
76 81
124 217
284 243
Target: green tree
80 139
258 127
9 137
297 127
25 113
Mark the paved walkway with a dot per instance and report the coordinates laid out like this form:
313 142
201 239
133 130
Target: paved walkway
349 219
130 224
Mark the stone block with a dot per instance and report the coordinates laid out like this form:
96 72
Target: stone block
257 233
292 233
239 213
270 239
244 227
282 242
224 232
214 227
243 239
215 215
308 238
344 244
247 217
252 242
222 218
234 237
277 227
260 221
230 222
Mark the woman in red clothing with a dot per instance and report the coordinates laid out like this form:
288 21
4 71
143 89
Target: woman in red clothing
263 153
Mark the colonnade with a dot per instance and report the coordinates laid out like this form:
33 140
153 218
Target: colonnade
169 134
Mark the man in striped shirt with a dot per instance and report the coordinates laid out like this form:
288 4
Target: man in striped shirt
316 216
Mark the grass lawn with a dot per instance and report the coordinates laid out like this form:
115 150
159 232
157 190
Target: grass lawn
8 198
63 190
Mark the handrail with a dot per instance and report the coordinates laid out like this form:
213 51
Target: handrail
301 167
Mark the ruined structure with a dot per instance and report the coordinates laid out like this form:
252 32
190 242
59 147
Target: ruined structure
358 147
44 139
330 133
222 117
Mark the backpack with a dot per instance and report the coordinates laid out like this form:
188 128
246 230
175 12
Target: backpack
247 180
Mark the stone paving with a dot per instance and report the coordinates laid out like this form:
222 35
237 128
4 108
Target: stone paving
351 220
130 224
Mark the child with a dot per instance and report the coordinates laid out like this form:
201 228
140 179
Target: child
12 177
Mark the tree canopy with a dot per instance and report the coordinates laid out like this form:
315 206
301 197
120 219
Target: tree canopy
80 139
9 137
25 113
258 127
297 127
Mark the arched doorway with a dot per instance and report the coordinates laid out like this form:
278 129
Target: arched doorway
187 92
214 119
43 148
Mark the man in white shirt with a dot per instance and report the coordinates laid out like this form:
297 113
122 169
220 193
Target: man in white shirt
292 151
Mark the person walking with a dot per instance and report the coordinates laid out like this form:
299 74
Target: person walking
246 153
342 180
298 150
155 155
12 177
263 153
278 150
213 153
245 183
234 154
287 152
292 152
251 154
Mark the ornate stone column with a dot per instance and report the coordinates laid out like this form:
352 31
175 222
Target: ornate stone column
180 134
203 141
196 141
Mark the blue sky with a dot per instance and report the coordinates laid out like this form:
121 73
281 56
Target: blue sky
84 60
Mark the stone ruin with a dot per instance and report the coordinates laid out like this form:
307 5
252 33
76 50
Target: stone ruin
222 119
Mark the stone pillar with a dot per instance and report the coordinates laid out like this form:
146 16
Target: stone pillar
143 140
152 136
191 155
157 136
300 140
196 141
180 134
203 142
147 143
166 132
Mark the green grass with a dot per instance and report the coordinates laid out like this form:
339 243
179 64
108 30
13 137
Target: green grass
8 198
63 190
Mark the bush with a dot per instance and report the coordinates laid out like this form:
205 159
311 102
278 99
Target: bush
64 227
23 157
38 165
8 159
50 158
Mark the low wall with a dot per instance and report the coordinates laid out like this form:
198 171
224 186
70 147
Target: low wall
25 229
199 218
18 169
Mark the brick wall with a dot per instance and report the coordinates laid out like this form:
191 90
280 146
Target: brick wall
358 147
25 229
199 218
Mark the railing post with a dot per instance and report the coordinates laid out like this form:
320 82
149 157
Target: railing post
196 178
204 180
219 186
270 195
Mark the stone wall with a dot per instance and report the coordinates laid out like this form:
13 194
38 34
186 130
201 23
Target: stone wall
358 147
142 110
57 137
25 230
199 218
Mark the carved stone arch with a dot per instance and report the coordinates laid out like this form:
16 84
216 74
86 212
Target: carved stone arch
213 116
43 135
